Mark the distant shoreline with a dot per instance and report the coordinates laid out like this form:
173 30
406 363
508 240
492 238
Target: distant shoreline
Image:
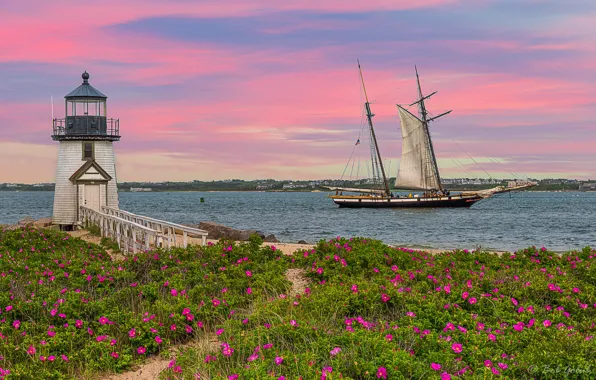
284 191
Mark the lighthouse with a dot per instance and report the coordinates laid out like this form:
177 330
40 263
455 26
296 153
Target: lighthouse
86 169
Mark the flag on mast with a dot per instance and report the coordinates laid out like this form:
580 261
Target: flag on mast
357 142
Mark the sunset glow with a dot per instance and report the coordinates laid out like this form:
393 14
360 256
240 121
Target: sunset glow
270 89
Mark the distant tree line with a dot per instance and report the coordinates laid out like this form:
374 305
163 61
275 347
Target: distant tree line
276 185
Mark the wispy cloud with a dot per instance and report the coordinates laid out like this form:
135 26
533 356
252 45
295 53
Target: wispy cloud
270 89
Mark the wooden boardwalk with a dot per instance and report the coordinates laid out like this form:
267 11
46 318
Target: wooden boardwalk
135 233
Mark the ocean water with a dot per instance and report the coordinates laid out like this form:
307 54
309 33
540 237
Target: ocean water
558 220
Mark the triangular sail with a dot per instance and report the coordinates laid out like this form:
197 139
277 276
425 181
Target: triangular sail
417 168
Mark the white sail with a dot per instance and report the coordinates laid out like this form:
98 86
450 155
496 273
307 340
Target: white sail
417 170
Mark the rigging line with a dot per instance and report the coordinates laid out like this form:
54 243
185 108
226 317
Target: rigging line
352 171
463 168
354 147
348 163
474 175
472 159
507 170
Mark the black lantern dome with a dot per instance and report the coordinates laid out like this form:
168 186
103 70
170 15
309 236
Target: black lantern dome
86 119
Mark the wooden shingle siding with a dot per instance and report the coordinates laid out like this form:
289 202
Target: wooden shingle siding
70 155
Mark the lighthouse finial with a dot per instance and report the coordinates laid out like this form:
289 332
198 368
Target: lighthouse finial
85 77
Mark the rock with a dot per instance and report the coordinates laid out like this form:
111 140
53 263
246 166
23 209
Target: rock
246 234
270 239
302 242
43 222
26 221
219 231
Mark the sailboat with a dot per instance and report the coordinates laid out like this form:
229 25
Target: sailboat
418 169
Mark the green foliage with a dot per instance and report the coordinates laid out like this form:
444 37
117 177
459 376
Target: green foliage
94 230
370 311
108 243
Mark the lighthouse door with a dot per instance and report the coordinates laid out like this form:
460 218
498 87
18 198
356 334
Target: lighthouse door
92 197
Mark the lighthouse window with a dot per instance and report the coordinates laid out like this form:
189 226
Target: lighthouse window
87 151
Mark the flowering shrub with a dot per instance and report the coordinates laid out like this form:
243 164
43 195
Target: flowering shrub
376 312
370 312
67 310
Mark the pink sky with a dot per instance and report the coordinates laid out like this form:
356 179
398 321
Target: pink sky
270 89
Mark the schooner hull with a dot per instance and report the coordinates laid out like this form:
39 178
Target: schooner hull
386 202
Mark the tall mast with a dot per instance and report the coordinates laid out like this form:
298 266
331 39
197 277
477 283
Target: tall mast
369 116
423 115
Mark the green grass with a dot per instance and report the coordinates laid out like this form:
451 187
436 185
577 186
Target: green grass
370 311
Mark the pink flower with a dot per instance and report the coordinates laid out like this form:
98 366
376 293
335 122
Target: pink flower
16 324
233 377
278 360
267 346
173 327
114 355
382 373
472 301
546 323
31 350
173 292
248 273
492 337
132 333
226 349
335 351
514 301
141 350
354 288
64 358
456 347
219 331
78 324
293 322
435 366
385 297
320 270
248 291
445 376
389 337
158 339
464 295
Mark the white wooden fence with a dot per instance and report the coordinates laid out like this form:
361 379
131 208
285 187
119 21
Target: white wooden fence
131 237
135 233
166 230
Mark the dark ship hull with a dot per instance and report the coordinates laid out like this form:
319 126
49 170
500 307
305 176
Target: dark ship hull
387 202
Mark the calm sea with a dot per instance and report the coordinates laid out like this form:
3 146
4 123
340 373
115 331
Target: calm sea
559 221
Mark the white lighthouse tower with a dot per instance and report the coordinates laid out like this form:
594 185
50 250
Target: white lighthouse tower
86 172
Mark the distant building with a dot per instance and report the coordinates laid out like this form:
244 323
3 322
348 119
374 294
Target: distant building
140 189
588 186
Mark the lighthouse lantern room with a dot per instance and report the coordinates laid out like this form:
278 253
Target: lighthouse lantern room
86 169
